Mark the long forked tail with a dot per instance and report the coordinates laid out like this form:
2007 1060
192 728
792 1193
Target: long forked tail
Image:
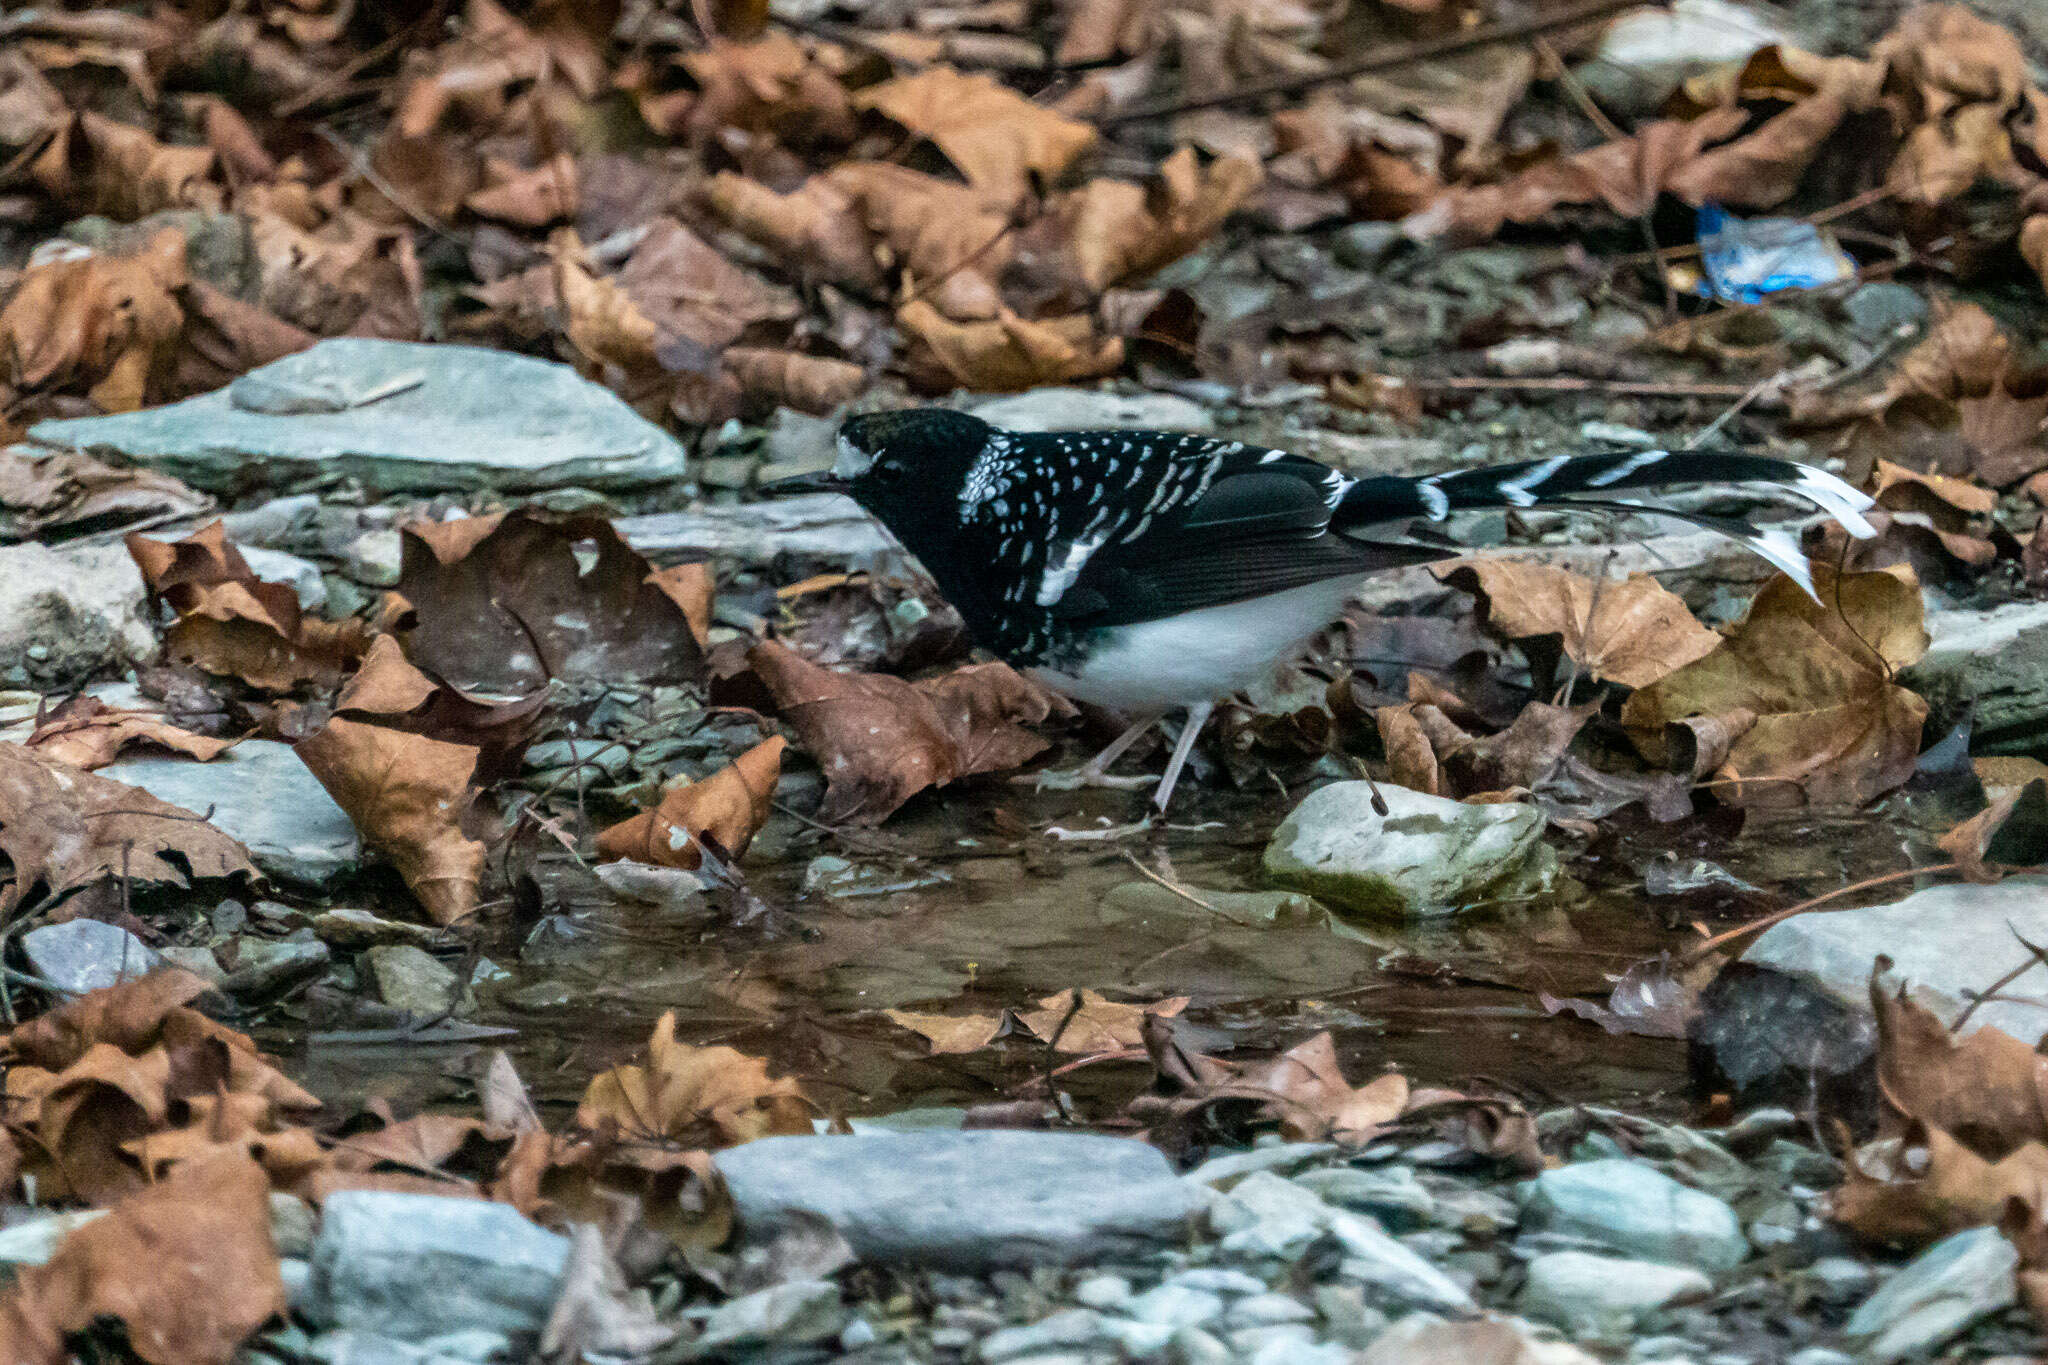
1588 483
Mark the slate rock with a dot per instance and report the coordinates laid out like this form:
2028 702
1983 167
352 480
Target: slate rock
1996 659
372 1348
1067 409
70 612
1952 1284
302 576
412 979
261 794
1602 1298
964 1200
83 955
264 967
475 418
1427 857
1637 1210
828 526
420 1265
798 1311
1945 941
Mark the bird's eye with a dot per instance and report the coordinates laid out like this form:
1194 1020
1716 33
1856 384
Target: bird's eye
886 472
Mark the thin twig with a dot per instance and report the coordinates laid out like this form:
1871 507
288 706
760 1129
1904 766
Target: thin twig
1384 59
2039 957
1778 916
1645 388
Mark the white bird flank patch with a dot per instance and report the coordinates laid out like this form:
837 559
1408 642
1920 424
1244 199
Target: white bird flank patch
987 476
1060 575
1519 491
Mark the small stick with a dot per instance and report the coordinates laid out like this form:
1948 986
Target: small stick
2039 956
1646 388
1777 916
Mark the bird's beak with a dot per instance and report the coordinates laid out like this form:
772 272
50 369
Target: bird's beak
823 481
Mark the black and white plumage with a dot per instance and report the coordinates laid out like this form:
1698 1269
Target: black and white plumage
1147 571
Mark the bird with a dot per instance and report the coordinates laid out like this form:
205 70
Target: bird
1154 571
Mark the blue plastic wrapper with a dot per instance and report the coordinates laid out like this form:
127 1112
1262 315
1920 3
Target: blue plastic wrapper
1746 259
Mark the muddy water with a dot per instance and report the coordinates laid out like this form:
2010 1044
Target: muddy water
968 918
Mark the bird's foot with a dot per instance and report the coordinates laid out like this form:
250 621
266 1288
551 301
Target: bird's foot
1088 775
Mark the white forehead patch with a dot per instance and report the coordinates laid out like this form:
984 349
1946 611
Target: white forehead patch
852 462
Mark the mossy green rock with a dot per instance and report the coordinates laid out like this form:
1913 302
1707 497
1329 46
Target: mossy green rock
1427 857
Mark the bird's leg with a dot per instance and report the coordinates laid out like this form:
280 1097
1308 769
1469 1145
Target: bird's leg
1198 716
1095 773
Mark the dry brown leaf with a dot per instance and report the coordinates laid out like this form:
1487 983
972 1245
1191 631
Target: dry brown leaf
2011 832
87 733
951 244
2033 244
1120 231
502 604
530 198
61 828
997 138
697 301
1632 631
70 493
97 165
406 794
789 379
1084 1022
694 589
1010 354
694 1097
232 624
388 691
882 740
1989 1090
1429 752
731 805
1314 1103
187 1265
224 338
104 325
951 1033
816 227
772 84
1940 1186
1832 728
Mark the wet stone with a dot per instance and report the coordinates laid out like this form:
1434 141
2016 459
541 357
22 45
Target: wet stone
266 966
1222 1171
261 794
83 955
398 416
1070 1327
371 1348
69 612
1428 857
1952 1284
1391 1194
418 1265
1193 1346
351 928
1175 1305
1266 1310
799 1311
302 576
1944 941
194 959
965 1200
1603 1297
1102 1291
1066 409
1636 1210
412 979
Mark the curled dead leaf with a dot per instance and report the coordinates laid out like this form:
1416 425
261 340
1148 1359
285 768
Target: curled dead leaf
731 805
87 733
104 325
997 138
1632 631
1009 353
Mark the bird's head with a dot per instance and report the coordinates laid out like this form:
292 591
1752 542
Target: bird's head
905 467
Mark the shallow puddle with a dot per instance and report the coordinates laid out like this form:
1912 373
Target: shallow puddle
965 920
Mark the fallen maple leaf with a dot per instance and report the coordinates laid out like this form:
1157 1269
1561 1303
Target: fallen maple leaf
87 733
1313 1101
1988 1090
997 138
188 1266
701 1097
97 165
106 325
817 226
731 805
232 624
1934 1186
503 604
882 740
1430 753
1632 631
61 828
952 1033
1085 1022
390 692
527 197
1119 231
2011 832
69 493
406 794
1832 728
1009 353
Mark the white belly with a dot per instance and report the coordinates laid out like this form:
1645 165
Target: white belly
1204 655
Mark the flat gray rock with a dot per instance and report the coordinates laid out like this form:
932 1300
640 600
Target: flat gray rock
1426 857
1066 409
420 1265
1944 941
1637 1210
965 1200
1946 1288
1997 659
83 955
1602 1298
815 525
261 794
398 415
